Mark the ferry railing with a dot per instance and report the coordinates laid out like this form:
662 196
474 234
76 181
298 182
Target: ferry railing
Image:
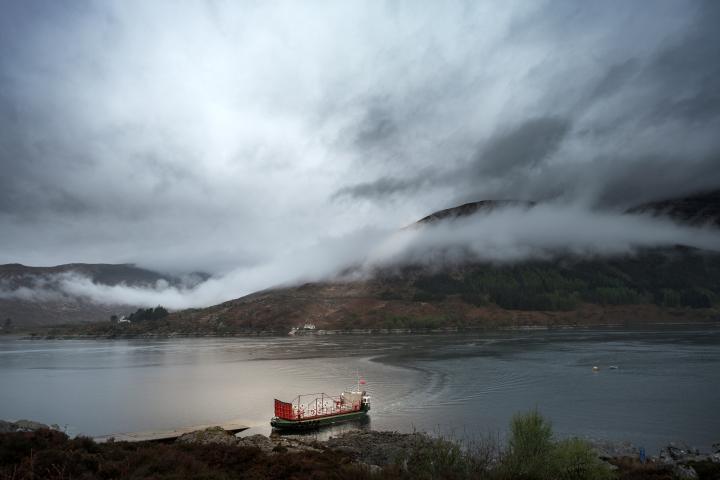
313 405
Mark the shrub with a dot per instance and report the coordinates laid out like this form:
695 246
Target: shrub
443 458
529 448
532 454
574 459
437 458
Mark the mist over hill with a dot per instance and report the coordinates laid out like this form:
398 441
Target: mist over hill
647 276
47 295
479 264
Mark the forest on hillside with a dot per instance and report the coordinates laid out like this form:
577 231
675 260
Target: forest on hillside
680 278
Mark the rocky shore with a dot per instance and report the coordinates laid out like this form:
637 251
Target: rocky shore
375 450
676 457
372 449
360 454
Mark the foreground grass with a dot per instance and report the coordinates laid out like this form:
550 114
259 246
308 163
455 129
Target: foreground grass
50 455
531 454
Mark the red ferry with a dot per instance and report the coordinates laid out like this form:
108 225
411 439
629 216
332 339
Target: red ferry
315 410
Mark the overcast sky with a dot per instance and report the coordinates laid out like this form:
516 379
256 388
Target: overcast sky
222 135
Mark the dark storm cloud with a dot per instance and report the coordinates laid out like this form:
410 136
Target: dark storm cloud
650 177
632 124
526 146
523 147
382 187
687 73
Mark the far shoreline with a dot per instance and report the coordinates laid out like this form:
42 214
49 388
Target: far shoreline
707 323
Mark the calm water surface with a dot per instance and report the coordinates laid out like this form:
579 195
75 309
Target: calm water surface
666 387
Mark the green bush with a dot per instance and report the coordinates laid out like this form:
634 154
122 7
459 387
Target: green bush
439 459
532 454
530 447
574 459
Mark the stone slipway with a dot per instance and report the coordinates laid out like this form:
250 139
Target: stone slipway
232 427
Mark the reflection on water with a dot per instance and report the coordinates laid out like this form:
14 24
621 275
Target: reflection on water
665 388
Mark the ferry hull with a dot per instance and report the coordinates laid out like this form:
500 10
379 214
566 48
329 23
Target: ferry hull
315 423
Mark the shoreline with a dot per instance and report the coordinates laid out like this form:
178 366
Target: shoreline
713 323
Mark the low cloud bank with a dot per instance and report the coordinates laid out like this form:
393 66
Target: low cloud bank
517 234
508 235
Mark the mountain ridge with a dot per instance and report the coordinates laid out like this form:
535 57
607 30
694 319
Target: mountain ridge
473 208
23 308
679 279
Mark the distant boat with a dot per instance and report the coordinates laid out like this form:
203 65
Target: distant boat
315 410
613 367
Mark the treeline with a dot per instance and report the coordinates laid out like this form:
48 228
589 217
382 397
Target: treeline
668 279
144 314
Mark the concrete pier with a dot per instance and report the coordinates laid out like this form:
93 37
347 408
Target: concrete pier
167 435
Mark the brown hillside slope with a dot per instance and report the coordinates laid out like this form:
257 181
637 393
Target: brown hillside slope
363 305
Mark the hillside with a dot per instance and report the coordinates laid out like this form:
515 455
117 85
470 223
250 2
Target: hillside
668 285
472 208
31 295
678 284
